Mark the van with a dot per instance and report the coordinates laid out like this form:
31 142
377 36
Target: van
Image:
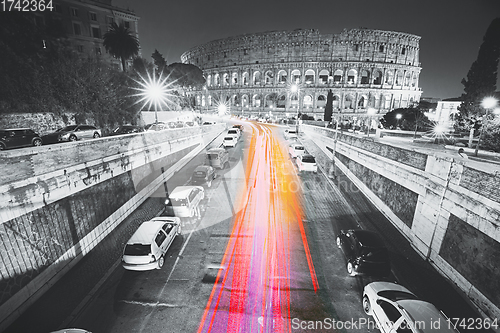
218 158
185 200
146 249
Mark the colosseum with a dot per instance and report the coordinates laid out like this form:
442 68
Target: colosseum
282 73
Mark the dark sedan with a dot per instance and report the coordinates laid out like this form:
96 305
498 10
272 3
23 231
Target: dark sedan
18 137
203 175
365 252
127 129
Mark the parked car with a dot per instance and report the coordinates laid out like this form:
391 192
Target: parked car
190 123
233 132
185 200
218 158
203 175
156 127
307 162
365 252
396 309
146 249
240 127
296 150
290 134
230 141
209 123
72 133
127 129
172 124
19 137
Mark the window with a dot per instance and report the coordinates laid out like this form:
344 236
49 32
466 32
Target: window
167 227
381 48
245 52
208 57
126 24
93 16
77 29
110 20
225 54
403 51
96 32
74 12
356 47
160 238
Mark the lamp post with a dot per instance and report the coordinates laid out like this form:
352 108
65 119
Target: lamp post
398 117
487 103
295 90
371 112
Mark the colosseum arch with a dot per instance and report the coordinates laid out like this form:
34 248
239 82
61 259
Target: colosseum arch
203 101
256 102
365 77
362 102
377 77
310 77
349 102
256 78
307 101
388 77
209 80
282 77
296 76
244 101
407 79
268 77
269 100
217 79
225 79
210 100
281 103
321 101
399 78
234 79
245 79
336 102
323 76
338 76
352 76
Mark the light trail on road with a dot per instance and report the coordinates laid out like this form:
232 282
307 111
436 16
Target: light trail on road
252 291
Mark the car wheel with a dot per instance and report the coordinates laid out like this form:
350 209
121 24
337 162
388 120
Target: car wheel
339 242
350 269
2 147
37 142
161 261
72 138
96 135
367 307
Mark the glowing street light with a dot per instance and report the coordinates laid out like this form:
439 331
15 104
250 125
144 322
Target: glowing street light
222 109
398 117
488 103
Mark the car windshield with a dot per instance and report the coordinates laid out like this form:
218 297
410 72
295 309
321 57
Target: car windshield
200 174
229 138
308 159
374 254
137 249
213 156
396 295
299 148
179 202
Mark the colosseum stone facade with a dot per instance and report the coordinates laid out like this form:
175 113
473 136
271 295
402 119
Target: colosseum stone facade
280 73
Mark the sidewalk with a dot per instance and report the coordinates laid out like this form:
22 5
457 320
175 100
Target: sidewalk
410 269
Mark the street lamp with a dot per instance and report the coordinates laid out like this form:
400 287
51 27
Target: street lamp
487 103
370 112
295 90
398 117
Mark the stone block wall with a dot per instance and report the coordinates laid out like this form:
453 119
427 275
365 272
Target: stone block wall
448 210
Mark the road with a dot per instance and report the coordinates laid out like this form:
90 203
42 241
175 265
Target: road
262 258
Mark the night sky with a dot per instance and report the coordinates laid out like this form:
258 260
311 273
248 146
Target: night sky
451 30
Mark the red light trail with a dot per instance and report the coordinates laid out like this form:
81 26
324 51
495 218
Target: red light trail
252 293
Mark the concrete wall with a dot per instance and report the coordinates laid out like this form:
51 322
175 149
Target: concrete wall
58 202
449 210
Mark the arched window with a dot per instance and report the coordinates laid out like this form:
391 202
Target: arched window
321 101
352 76
349 102
308 101
209 80
309 76
377 77
407 79
336 102
323 76
225 79
281 102
296 76
282 77
365 77
388 77
269 77
245 78
337 77
362 102
256 101
234 79
244 101
399 78
217 80
256 78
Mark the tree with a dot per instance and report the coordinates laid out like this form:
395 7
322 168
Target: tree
121 43
481 79
159 61
329 106
411 119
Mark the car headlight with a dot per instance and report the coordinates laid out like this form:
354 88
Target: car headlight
64 136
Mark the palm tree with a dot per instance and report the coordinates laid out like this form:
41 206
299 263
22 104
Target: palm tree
121 43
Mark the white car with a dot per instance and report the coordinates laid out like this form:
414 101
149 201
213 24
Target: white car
307 162
396 309
296 150
184 201
290 134
146 249
230 141
233 132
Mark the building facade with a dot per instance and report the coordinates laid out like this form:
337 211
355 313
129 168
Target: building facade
84 23
283 72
